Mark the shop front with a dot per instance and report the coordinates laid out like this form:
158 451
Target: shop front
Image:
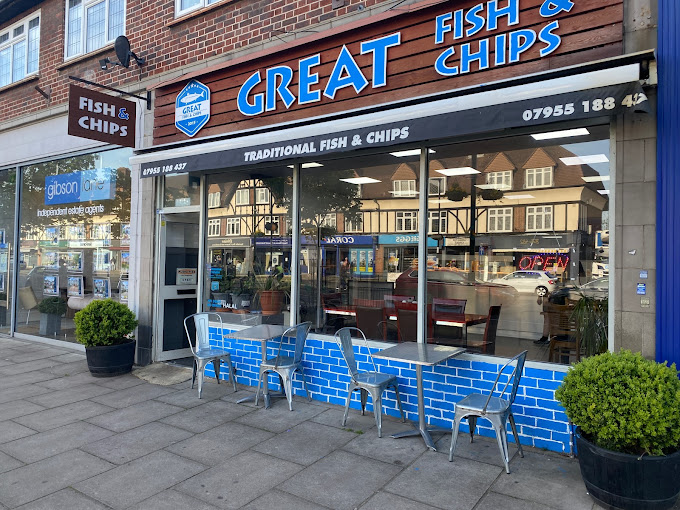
471 146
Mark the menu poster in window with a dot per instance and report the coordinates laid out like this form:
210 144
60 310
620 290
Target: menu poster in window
124 290
362 261
74 261
353 260
125 234
102 261
52 235
102 288
369 260
51 260
51 285
75 286
3 260
2 282
125 262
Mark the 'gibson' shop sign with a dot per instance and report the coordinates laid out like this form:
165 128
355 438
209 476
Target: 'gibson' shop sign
449 28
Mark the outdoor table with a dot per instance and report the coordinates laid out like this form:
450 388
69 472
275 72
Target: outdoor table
262 333
420 354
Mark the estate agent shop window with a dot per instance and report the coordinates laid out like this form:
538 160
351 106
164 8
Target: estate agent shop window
517 230
74 243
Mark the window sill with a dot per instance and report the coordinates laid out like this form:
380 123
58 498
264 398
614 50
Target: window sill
87 56
196 13
19 83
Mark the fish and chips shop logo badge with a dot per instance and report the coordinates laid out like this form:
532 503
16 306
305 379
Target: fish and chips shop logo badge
192 108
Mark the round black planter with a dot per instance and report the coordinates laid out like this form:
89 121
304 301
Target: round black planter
110 360
622 481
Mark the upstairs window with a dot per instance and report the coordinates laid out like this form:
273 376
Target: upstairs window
213 200
20 50
539 177
437 185
92 24
262 196
242 196
501 180
405 188
183 7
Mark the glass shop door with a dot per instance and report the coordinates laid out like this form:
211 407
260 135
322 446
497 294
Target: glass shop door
177 283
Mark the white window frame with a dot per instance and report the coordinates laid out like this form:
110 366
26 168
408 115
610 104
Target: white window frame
442 217
399 185
262 196
402 217
202 4
439 182
502 180
536 172
355 224
240 193
540 211
275 220
13 40
214 200
329 220
233 226
214 227
84 6
498 213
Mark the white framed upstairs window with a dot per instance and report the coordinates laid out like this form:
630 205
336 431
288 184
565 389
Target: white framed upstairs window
501 180
214 227
213 200
329 220
242 196
539 177
436 222
406 221
262 195
354 223
499 220
540 218
183 7
20 50
92 24
233 226
437 185
404 188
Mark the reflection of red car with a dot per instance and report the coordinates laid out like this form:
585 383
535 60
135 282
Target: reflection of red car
450 284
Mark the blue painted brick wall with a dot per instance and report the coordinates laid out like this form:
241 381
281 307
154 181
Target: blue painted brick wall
540 419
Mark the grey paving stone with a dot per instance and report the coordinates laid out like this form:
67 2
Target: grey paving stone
206 416
23 379
278 418
12 431
483 449
296 446
69 381
187 398
494 501
400 452
58 416
171 499
68 369
121 382
26 367
36 355
140 479
17 408
341 480
46 444
39 479
69 357
355 421
70 395
282 501
131 396
136 443
128 418
239 481
8 463
64 499
21 392
219 444
430 480
384 500
547 479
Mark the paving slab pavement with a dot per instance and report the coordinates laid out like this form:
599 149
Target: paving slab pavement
72 441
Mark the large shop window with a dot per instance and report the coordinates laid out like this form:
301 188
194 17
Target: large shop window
74 244
92 24
7 245
20 50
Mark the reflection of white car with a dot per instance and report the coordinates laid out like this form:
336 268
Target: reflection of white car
600 269
539 282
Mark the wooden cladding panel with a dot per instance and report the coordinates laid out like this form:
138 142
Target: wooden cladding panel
591 31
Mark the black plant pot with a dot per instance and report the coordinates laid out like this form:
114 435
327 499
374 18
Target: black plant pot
110 360
629 482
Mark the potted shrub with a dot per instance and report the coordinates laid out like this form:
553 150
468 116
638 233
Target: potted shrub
51 309
492 194
627 412
105 328
591 317
455 193
271 293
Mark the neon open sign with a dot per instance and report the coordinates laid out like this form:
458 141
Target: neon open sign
544 260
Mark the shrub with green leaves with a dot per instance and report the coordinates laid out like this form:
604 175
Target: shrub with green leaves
104 322
52 305
624 402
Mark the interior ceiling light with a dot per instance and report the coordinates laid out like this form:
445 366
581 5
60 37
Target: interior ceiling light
439 201
307 165
566 133
585 160
466 170
412 152
595 178
360 180
517 196
603 191
489 186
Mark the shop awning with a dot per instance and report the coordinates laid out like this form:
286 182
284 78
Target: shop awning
593 94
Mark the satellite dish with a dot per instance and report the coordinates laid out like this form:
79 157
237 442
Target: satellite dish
122 47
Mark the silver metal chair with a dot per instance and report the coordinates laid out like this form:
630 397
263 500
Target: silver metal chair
367 382
285 366
495 409
204 353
